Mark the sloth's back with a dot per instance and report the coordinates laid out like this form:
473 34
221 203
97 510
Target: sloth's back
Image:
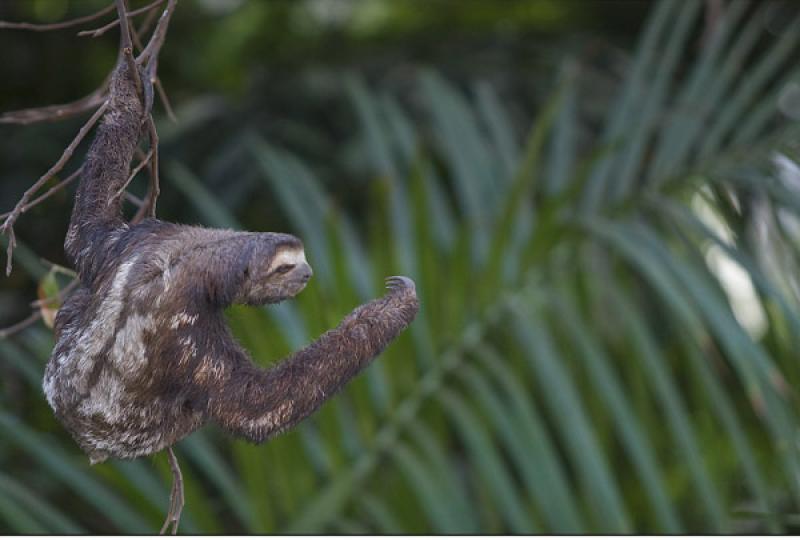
106 379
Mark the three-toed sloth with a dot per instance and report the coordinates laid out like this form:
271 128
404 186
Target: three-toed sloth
143 356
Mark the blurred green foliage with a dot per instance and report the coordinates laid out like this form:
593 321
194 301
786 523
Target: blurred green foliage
610 303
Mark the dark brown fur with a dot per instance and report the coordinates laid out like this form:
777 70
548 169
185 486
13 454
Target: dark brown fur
143 356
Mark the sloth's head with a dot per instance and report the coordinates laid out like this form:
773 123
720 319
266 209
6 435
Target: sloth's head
275 270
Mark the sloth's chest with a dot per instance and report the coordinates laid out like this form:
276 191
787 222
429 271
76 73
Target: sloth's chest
116 345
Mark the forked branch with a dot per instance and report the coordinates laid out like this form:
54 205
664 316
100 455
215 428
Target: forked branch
5 25
145 64
97 32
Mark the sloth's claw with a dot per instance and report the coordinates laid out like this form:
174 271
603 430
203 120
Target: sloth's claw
397 283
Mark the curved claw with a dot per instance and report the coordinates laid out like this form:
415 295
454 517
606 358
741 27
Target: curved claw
396 283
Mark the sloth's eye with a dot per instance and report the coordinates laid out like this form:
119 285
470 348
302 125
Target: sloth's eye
284 268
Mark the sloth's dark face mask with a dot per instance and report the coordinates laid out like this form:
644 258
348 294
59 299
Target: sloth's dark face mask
280 273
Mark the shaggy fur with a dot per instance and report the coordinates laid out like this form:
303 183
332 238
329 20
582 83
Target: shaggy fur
143 356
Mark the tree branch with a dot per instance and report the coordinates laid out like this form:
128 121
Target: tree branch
148 57
97 32
135 171
57 112
55 26
20 326
126 45
159 34
58 187
8 224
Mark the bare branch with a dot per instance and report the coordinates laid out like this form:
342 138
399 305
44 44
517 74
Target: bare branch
37 313
139 203
124 29
135 171
97 32
20 326
65 156
126 45
55 26
159 34
147 23
155 182
58 187
176 499
57 269
147 207
149 57
12 243
8 224
162 94
62 294
53 113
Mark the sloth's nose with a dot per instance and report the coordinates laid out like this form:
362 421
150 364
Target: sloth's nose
304 271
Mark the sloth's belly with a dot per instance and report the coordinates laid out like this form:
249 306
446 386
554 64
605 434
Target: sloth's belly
113 411
101 383
138 429
101 355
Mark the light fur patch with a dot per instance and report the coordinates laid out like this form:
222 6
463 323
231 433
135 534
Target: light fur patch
293 256
129 353
49 390
182 319
94 337
209 370
189 350
272 418
162 261
105 399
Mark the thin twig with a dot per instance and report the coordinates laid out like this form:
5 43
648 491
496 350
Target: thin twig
126 45
58 269
139 203
176 498
37 313
147 23
65 156
159 34
155 182
58 187
162 94
149 55
60 297
147 208
97 32
136 201
12 243
55 26
137 42
8 224
135 171
57 112
20 326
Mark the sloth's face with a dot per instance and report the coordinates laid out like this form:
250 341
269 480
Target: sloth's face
275 280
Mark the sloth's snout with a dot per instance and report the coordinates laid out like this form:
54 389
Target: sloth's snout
304 272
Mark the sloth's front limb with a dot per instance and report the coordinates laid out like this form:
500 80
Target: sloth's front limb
98 202
254 403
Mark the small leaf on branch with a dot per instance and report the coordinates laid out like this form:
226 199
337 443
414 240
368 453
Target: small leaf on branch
49 294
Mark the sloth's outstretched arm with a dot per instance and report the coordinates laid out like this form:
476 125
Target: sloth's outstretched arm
255 403
98 206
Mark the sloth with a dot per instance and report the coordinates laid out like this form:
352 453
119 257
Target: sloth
143 356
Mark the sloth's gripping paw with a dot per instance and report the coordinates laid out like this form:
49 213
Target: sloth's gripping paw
399 283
